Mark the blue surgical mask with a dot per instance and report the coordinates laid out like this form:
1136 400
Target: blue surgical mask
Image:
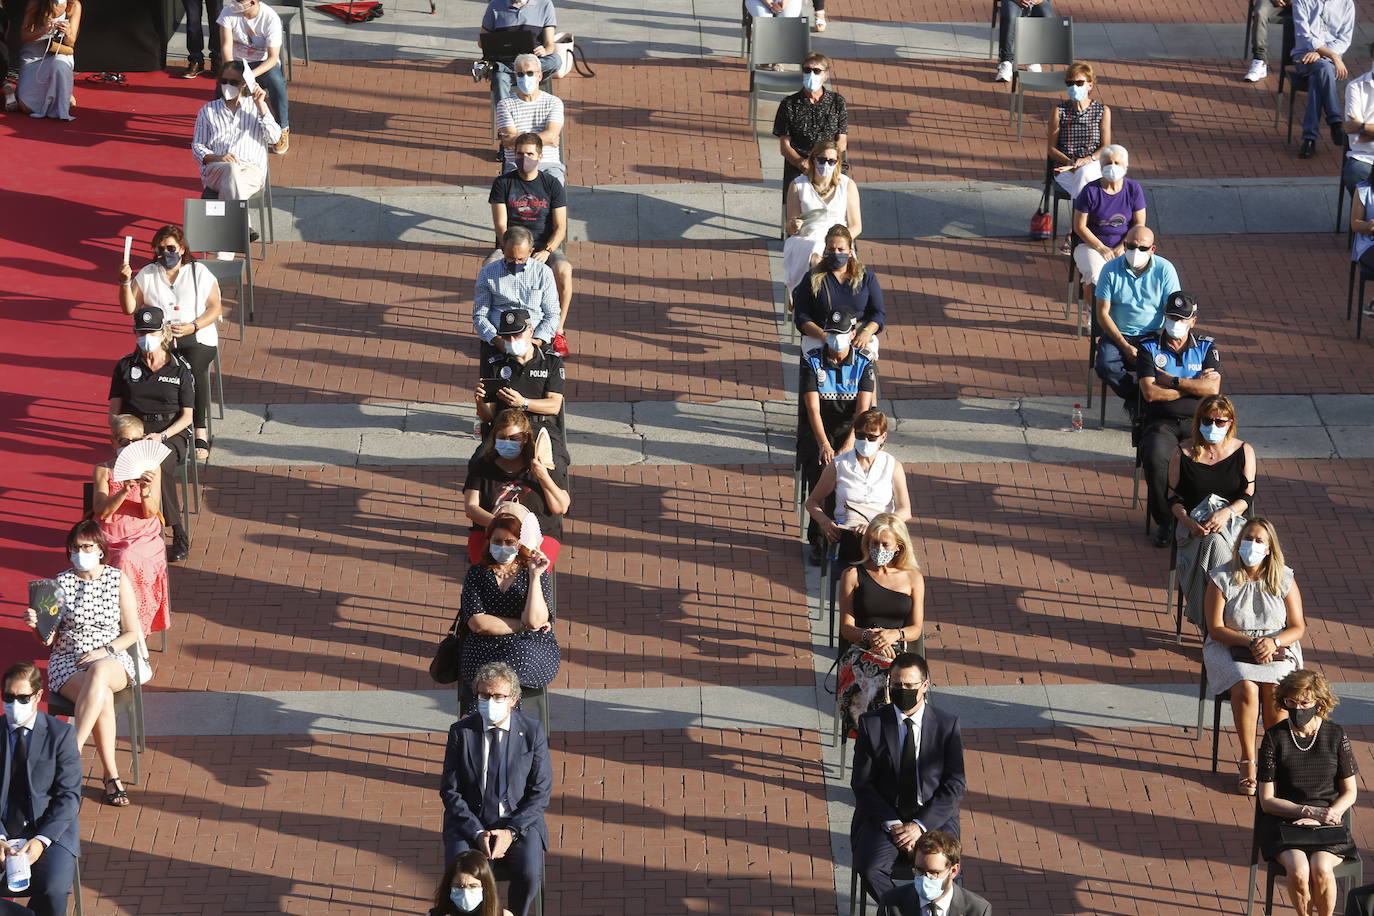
516 267
493 711
509 448
931 888
1213 434
527 84
1252 553
503 553
1078 93
466 899
837 260
149 342
812 81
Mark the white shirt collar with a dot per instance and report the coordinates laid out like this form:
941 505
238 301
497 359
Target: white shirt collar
941 905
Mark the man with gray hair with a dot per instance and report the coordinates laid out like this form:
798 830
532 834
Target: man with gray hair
530 110
516 280
496 785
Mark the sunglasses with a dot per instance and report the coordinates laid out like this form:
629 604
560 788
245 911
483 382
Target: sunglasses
1130 247
123 442
18 697
828 161
1075 82
175 248
1214 421
868 437
815 70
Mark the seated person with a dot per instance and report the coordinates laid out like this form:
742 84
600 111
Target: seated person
506 608
1359 127
935 860
1010 11
1362 230
809 116
1129 304
1261 15
1102 214
533 16
908 774
531 110
839 280
819 200
250 32
232 135
535 200
516 281
499 810
863 482
507 470
1307 773
129 513
468 887
1175 370
837 384
524 376
41 817
1322 31
46 58
1079 129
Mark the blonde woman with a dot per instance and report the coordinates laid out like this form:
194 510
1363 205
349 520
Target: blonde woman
865 482
129 513
838 281
819 198
1307 778
882 609
1254 626
1212 482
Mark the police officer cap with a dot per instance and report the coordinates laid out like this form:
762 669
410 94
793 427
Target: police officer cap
513 322
1180 305
839 321
148 319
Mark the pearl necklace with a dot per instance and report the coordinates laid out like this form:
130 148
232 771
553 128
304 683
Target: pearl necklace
1294 735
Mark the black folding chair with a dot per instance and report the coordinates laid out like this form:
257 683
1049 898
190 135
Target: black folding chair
1351 869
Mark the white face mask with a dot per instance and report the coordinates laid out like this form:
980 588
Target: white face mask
20 713
466 899
823 169
84 560
149 342
493 711
838 343
517 347
1176 329
867 449
1137 259
1252 553
229 92
1113 172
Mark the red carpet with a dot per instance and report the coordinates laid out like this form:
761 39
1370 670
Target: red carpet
69 192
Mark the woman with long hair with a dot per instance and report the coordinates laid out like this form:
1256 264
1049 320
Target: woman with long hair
836 282
821 197
46 61
468 888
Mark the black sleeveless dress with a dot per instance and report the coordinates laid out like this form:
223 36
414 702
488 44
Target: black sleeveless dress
878 606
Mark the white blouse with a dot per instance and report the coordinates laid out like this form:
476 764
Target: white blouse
182 301
859 491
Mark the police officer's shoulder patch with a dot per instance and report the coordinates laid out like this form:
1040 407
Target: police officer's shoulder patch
1161 360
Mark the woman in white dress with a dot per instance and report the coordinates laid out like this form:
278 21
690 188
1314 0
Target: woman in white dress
45 72
821 197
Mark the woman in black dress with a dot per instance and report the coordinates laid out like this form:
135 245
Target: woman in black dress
506 470
1307 777
506 608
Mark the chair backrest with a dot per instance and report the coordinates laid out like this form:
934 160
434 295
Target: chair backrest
1047 40
216 225
780 40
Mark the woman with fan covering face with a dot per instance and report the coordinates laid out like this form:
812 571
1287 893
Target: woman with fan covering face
129 515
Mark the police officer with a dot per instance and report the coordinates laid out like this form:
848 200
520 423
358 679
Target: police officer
1176 369
519 374
157 386
837 384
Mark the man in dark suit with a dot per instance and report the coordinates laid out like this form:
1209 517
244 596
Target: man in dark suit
40 791
499 809
908 774
935 859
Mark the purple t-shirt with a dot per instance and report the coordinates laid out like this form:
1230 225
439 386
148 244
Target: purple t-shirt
1109 215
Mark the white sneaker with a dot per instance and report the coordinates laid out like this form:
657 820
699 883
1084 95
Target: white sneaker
1258 71
1003 72
1033 68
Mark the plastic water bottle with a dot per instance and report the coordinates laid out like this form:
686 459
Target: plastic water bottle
1076 422
17 868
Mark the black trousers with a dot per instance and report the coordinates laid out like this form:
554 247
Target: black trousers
195 33
50 884
1158 440
201 358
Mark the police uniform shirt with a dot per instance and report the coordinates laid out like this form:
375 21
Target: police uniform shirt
1155 356
838 385
144 393
540 377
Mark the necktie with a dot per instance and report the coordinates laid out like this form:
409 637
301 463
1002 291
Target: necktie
932 910
906 775
18 800
496 765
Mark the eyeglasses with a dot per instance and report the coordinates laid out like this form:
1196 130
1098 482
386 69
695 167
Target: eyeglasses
231 83
1131 247
868 437
1294 703
528 73
18 697
121 441
1075 82
87 548
924 873
493 696
829 161
176 248
1214 421
815 70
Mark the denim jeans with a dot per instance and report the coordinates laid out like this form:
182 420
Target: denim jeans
1321 96
1111 368
274 82
1012 11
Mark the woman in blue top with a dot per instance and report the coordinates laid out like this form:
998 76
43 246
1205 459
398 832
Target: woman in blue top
840 282
1103 213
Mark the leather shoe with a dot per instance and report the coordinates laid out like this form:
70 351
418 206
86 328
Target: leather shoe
180 549
253 235
1307 149
193 70
1338 133
1161 536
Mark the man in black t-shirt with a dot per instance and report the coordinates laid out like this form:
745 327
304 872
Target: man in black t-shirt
537 201
522 375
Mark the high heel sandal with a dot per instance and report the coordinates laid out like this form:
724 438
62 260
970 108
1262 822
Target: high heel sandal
115 795
1246 784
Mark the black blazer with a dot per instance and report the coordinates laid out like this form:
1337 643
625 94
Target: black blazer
529 781
903 901
54 780
940 763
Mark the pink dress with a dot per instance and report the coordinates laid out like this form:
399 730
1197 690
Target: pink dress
137 551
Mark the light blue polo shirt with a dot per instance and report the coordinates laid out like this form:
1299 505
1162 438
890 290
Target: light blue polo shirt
1137 303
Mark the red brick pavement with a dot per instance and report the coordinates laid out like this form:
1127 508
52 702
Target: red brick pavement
666 822
378 123
367 322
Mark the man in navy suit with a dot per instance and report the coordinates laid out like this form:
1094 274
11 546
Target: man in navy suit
908 774
935 859
496 785
40 791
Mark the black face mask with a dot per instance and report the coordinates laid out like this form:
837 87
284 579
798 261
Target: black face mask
169 259
1300 717
905 697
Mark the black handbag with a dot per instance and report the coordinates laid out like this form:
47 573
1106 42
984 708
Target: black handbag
444 668
1295 836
